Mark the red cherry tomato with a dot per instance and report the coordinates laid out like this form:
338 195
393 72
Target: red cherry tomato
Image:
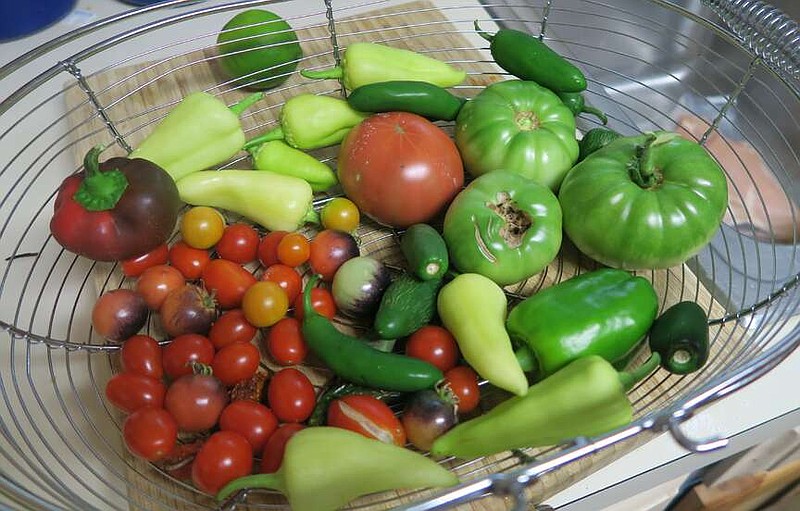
135 266
239 243
141 354
291 395
285 342
435 345
228 282
329 250
225 456
156 282
294 249
268 248
177 356
463 382
235 363
272 457
188 260
195 402
368 416
130 391
231 327
286 277
252 420
321 301
150 433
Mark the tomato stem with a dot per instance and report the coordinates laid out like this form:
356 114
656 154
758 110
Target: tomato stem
641 167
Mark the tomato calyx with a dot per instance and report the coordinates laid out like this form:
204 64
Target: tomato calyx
641 168
445 392
200 368
527 120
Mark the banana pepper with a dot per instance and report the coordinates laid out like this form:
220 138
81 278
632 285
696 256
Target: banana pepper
278 156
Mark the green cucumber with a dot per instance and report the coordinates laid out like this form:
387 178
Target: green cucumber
407 305
594 139
426 252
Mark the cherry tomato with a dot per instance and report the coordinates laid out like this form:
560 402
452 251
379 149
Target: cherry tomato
321 301
340 214
225 456
434 344
236 362
272 457
131 391
188 309
268 248
286 277
202 227
196 401
228 281
231 327
178 356
119 314
285 342
150 433
293 249
135 266
141 354
368 416
239 243
188 260
264 304
329 250
155 283
250 419
291 395
463 382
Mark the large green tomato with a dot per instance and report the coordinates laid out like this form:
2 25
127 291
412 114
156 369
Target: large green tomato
504 227
644 202
518 126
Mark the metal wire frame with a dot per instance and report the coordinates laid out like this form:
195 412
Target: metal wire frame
774 306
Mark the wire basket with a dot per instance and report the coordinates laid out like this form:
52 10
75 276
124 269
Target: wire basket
724 73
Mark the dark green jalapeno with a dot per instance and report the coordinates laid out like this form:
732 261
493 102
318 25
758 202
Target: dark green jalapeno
680 336
421 98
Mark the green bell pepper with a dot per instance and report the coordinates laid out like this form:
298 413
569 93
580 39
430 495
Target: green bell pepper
503 226
517 126
585 398
278 156
605 312
644 202
199 133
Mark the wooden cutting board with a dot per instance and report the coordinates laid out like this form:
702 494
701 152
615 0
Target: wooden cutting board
135 96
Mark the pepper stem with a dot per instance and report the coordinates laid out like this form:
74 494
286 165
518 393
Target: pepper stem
630 378
312 217
489 37
241 106
588 109
336 72
308 309
641 167
100 190
272 481
273 134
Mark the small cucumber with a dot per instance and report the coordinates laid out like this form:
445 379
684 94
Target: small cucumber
426 252
407 305
594 139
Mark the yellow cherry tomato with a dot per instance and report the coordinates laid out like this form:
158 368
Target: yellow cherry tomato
202 227
340 214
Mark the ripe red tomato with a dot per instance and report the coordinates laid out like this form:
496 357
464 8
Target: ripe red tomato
236 362
272 457
368 416
293 249
285 342
195 401
268 248
156 282
239 243
135 266
321 301
141 354
329 250
228 281
131 391
231 327
463 382
291 395
150 433
407 173
286 277
188 260
225 456
434 344
177 356
250 419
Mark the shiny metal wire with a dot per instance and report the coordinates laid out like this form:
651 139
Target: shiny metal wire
650 65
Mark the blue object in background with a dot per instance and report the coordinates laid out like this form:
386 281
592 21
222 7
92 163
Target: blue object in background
24 17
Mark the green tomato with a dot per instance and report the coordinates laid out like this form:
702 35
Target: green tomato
258 48
518 126
644 202
504 227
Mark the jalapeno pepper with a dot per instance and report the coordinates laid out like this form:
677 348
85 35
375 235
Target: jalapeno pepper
680 336
421 98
